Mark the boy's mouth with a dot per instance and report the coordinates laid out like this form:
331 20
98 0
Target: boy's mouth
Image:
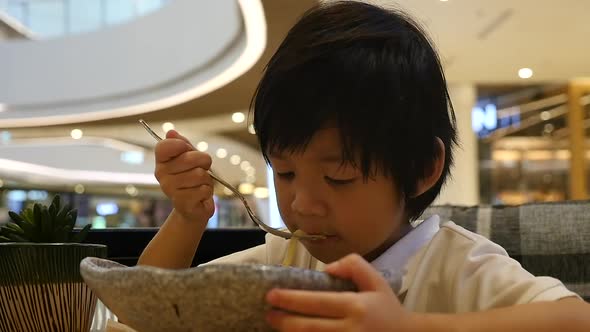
321 237
318 234
314 233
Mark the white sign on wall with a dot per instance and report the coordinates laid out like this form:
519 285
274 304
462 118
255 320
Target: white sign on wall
485 119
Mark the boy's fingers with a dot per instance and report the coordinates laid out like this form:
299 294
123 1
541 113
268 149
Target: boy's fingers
174 134
282 321
186 162
209 205
355 268
323 304
191 179
170 148
195 199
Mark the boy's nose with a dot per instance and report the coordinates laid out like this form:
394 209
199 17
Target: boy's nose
306 204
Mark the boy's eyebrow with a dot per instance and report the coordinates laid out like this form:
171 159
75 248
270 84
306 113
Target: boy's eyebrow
328 158
331 158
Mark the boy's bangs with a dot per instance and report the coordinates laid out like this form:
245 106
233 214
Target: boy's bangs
299 103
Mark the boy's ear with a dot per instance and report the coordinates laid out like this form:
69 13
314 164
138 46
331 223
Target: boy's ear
433 172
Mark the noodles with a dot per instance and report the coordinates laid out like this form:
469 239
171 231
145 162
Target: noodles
292 248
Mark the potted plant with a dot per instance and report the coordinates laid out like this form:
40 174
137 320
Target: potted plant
40 284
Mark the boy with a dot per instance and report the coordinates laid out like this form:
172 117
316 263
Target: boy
354 116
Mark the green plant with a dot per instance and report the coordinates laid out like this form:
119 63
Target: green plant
53 224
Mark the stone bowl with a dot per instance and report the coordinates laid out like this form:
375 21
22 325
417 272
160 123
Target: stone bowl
205 298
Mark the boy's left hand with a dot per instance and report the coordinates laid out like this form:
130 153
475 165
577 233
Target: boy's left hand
374 308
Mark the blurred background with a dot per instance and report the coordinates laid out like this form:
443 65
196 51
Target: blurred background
76 75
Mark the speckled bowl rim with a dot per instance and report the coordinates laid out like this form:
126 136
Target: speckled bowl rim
94 267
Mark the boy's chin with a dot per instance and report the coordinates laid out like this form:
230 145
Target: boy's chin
325 256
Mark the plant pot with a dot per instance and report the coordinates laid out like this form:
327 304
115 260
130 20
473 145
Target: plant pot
41 288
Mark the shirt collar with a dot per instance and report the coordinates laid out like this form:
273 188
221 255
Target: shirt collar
393 261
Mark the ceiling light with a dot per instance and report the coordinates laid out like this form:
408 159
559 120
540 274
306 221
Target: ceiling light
131 190
244 165
235 159
202 146
250 179
261 192
251 129
238 117
76 133
246 188
79 189
221 153
525 73
227 191
167 126
545 115
250 171
548 128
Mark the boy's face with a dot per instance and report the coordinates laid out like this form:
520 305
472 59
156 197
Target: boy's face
319 195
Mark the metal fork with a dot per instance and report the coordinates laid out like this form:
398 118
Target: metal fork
265 227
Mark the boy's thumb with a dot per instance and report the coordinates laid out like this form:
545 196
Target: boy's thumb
359 271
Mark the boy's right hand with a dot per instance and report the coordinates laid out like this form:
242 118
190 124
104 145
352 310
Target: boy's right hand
181 171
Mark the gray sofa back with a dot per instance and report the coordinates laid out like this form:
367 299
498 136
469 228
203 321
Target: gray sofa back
548 239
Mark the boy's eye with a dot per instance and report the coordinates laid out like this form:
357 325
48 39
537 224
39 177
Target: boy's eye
339 181
286 175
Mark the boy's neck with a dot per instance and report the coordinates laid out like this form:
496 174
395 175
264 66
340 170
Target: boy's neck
395 236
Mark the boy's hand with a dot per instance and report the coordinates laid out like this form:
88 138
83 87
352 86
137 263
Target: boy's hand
374 308
182 173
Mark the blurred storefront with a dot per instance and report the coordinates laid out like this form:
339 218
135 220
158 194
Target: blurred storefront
112 210
525 143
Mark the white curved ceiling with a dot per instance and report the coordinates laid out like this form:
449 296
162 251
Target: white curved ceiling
178 53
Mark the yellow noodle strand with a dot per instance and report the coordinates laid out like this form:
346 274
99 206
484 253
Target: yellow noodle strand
292 248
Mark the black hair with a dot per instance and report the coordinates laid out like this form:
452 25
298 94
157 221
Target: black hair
376 76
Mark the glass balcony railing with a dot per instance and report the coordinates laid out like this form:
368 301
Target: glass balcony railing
56 18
